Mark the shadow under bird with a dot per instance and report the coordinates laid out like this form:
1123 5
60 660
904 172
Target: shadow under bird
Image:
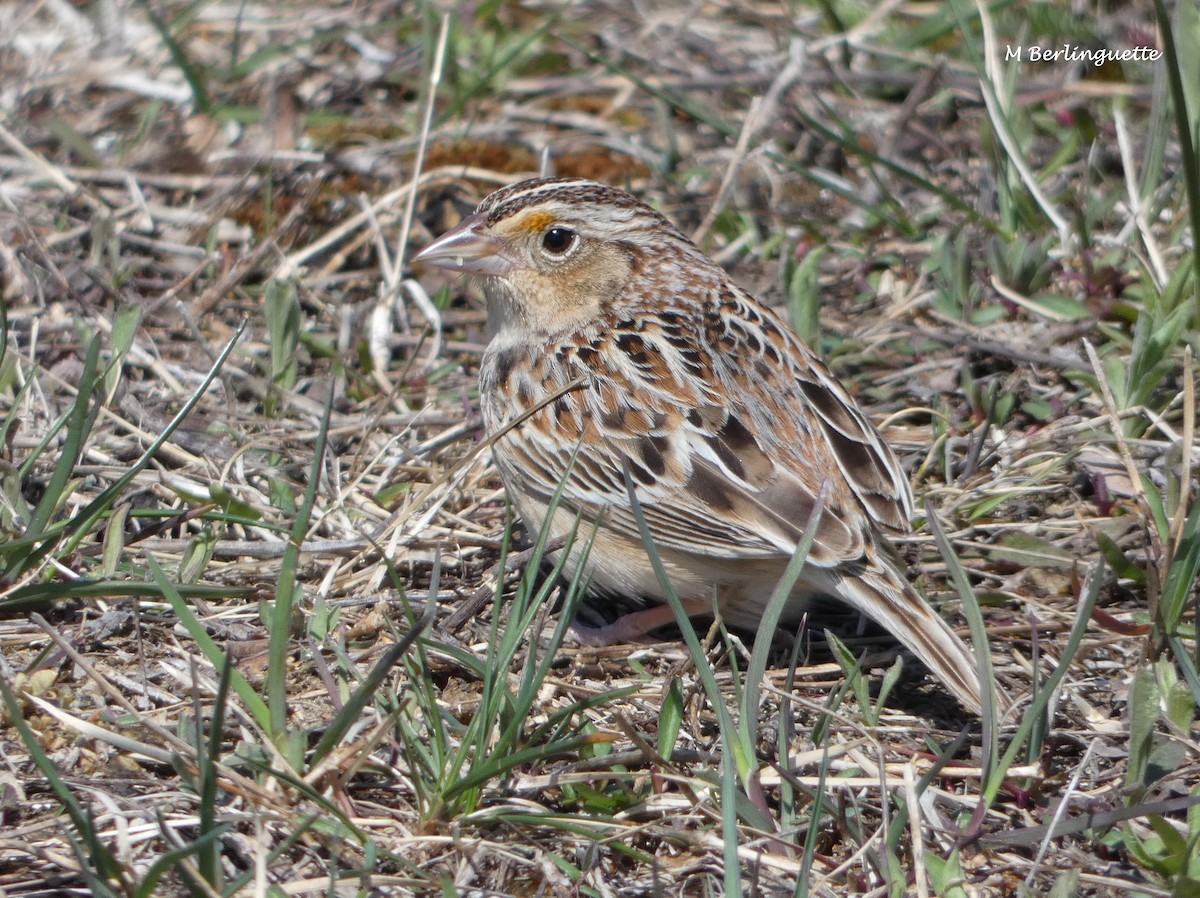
729 425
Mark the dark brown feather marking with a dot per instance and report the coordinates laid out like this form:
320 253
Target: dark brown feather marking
737 436
712 417
830 408
614 419
728 457
884 509
693 359
710 488
641 475
753 341
506 360
651 449
855 457
634 347
741 452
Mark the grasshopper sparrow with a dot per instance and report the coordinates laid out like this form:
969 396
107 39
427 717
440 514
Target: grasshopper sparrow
728 424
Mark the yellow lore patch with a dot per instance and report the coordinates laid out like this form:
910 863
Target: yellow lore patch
535 222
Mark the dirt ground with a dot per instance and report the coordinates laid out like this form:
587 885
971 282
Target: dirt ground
175 177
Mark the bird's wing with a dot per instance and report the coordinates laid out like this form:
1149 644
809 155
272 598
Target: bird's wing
728 427
799 408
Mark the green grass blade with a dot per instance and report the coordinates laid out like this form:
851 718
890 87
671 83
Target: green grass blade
990 713
1186 121
191 73
79 524
757 669
368 688
105 865
814 827
207 842
208 756
81 419
1091 592
279 620
736 758
38 595
208 647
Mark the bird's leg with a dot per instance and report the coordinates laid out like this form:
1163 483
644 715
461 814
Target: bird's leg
636 625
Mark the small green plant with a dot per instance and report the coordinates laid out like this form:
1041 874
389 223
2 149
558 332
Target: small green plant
804 294
281 308
50 531
451 764
193 858
957 293
1162 713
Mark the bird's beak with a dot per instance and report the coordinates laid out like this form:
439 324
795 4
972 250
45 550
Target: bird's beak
469 248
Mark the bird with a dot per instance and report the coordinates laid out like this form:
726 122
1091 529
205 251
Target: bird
622 356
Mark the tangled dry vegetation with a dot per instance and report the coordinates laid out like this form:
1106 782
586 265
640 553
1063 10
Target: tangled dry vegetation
186 180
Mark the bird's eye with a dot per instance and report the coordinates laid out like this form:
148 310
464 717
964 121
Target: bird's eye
557 241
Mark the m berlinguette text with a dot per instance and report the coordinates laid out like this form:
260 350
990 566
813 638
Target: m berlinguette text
1075 53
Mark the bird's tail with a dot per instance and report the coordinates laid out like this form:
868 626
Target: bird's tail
888 599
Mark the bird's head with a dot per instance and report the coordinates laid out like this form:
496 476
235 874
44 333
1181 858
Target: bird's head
552 254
